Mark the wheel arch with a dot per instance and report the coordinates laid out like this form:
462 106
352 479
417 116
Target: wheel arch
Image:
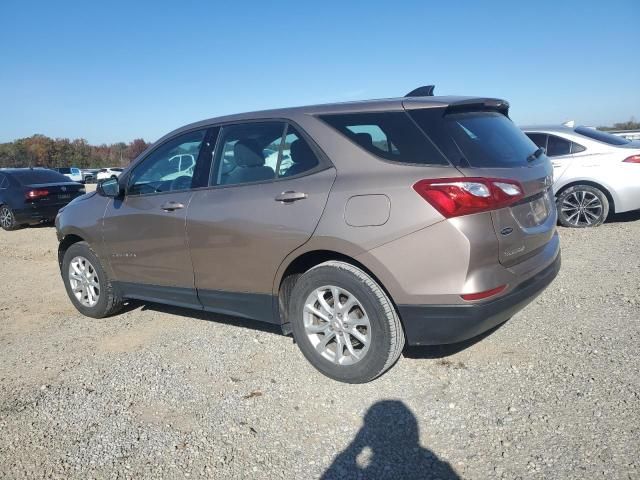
65 243
304 261
591 183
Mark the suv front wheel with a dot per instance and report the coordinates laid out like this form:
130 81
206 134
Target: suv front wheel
87 284
344 323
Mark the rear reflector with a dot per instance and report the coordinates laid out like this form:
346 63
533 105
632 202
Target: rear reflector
35 194
454 197
632 159
486 294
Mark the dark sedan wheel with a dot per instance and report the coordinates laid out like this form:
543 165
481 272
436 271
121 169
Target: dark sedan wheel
582 206
7 220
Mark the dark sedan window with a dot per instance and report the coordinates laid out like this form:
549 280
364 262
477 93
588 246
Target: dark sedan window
38 175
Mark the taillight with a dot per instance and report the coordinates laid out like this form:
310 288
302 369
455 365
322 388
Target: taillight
632 159
482 295
454 197
35 194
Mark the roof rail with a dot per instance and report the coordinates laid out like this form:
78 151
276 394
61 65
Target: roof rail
425 91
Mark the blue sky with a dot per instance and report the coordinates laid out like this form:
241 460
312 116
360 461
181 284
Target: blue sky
111 71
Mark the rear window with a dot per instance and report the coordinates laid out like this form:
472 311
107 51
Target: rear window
64 170
389 135
38 175
488 139
116 169
601 136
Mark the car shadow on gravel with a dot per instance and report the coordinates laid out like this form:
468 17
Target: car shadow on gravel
388 446
624 217
208 316
442 351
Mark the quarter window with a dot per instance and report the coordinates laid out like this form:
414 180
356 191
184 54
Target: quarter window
170 167
577 148
557 146
389 135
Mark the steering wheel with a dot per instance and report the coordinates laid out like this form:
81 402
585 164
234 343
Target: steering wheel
181 183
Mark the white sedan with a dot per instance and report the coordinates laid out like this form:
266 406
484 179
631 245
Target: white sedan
594 173
106 173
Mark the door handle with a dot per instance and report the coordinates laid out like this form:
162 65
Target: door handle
171 206
290 196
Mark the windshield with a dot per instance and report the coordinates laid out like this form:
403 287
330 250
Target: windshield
601 136
489 139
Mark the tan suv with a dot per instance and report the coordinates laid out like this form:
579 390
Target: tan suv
354 226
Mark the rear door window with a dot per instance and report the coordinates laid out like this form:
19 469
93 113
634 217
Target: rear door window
540 139
248 153
392 136
557 146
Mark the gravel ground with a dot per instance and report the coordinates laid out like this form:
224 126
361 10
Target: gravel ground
162 392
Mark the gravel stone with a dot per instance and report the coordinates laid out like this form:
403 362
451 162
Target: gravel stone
161 392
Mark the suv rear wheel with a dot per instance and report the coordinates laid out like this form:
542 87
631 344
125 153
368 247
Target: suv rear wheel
344 323
582 206
87 283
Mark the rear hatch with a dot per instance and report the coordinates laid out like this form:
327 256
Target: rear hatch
481 141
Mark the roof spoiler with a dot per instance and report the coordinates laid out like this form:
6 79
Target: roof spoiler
425 91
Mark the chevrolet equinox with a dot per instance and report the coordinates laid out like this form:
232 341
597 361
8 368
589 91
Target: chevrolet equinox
357 227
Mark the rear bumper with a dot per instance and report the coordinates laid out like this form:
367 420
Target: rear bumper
442 324
36 213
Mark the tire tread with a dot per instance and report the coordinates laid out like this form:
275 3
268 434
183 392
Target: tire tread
395 326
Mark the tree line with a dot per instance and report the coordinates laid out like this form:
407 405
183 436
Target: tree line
42 151
628 125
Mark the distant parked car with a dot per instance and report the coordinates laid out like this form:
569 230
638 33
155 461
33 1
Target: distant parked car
32 195
89 174
595 173
106 173
72 173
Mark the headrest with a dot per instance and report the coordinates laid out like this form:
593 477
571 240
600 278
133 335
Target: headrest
364 139
301 153
246 153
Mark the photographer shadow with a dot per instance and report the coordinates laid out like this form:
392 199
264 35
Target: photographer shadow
388 446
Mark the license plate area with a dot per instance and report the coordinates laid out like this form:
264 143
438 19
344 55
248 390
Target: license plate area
64 196
534 212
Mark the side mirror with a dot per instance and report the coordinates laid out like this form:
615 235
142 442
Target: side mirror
110 188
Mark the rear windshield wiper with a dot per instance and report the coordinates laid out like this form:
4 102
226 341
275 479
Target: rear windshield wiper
535 154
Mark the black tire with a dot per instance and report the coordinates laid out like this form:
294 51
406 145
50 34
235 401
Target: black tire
582 206
387 335
109 301
7 219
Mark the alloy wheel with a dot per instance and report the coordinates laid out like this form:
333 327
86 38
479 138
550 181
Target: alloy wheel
337 325
6 218
581 208
84 281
